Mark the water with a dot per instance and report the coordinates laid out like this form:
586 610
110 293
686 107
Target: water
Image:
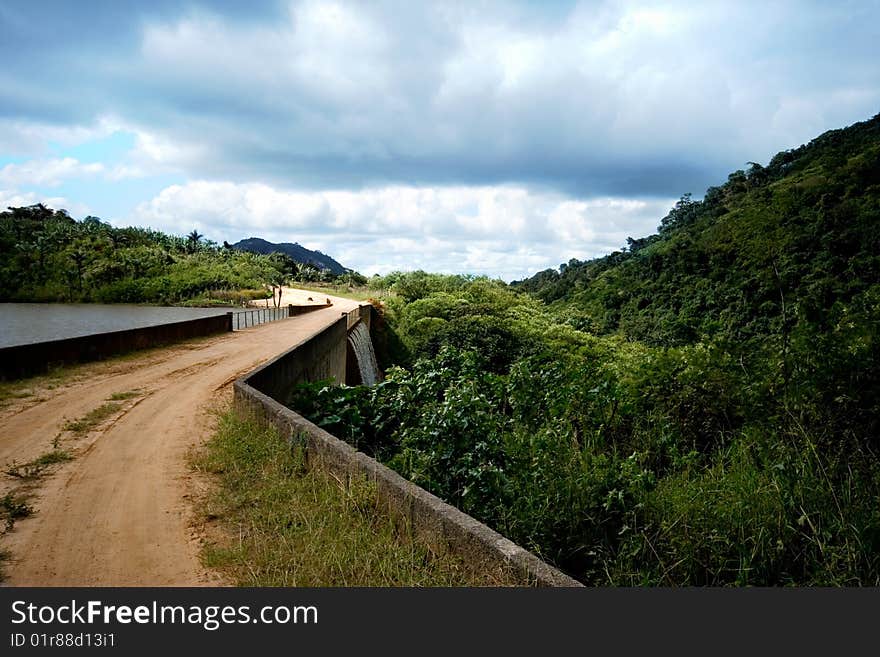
26 323
359 339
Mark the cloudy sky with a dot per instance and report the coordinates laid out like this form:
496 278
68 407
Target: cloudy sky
483 137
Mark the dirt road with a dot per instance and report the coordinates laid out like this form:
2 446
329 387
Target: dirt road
120 513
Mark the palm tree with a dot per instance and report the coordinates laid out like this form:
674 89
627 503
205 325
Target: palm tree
192 241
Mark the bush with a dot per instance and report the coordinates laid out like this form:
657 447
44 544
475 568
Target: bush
124 291
629 464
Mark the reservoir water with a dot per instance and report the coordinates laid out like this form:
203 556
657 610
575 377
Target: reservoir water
26 323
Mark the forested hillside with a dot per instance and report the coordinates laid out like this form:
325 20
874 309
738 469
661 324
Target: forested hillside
771 251
778 268
46 255
701 408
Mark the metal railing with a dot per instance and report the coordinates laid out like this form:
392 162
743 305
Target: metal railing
242 319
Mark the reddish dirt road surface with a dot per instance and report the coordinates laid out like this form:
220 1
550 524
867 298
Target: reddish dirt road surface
120 513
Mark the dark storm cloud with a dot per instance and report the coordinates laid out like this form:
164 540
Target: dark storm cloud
627 99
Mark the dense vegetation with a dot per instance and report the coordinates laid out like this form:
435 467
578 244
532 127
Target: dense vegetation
700 408
46 255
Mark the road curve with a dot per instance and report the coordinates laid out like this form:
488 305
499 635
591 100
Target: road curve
120 513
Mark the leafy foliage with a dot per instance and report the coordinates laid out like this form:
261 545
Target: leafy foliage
698 409
45 255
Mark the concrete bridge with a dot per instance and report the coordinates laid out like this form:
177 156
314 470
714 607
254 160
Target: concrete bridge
120 513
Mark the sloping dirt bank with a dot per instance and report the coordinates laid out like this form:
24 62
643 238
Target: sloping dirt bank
119 513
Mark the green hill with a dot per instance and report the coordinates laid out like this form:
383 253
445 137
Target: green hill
775 247
779 268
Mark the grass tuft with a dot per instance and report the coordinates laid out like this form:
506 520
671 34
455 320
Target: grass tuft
122 396
14 390
13 508
93 418
34 469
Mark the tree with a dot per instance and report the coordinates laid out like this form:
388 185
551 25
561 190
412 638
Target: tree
684 212
192 241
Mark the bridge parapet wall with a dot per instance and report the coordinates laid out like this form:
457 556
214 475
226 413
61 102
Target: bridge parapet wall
29 359
263 394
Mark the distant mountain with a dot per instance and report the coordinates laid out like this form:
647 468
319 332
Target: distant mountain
294 251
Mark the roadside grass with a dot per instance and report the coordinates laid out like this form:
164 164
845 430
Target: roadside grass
283 525
55 375
93 418
10 390
225 298
122 396
34 469
13 389
358 293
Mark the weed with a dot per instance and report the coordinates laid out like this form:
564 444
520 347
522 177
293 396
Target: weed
9 391
12 509
92 419
122 396
34 469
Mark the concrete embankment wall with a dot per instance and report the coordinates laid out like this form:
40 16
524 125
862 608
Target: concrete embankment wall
29 359
320 357
294 311
444 527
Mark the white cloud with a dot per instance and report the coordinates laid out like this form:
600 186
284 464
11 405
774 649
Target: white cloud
10 198
28 137
152 154
499 230
48 173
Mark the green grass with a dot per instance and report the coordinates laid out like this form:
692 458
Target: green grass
122 396
358 293
34 469
34 387
13 508
225 298
14 390
93 418
284 525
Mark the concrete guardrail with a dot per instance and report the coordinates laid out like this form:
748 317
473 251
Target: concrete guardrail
263 393
28 359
